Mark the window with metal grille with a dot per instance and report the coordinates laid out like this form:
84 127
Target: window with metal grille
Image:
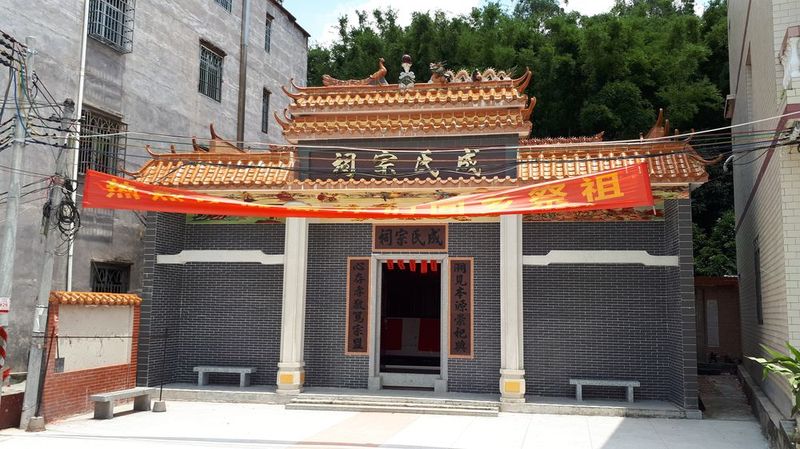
210 73
757 282
268 33
110 277
225 4
265 111
102 142
111 22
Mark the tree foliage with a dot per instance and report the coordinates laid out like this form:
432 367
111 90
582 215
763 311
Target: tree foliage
715 252
609 72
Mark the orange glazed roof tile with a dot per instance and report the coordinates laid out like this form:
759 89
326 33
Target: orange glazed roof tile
560 140
670 162
250 170
423 96
406 124
401 183
361 109
223 166
220 164
95 298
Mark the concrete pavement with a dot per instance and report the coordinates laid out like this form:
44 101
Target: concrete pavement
207 425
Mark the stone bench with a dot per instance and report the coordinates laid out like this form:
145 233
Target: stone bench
579 383
104 402
244 373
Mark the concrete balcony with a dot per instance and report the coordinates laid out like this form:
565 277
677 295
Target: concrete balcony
790 60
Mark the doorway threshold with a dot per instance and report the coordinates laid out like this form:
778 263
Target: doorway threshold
413 380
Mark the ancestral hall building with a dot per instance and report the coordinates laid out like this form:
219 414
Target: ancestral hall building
515 305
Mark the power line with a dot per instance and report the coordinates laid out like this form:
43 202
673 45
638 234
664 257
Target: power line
705 146
631 142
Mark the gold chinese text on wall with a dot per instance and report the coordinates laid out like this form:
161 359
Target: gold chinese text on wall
424 163
461 297
357 327
409 238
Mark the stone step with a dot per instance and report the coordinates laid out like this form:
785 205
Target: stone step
399 404
394 404
396 400
392 407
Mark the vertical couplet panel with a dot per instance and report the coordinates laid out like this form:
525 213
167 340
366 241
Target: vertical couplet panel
461 341
358 284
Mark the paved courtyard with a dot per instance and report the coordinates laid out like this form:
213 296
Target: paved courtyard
199 424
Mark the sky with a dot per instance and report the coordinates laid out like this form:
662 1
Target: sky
320 17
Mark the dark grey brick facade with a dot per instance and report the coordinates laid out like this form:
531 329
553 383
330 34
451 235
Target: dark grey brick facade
678 238
161 292
612 321
480 374
329 245
596 321
216 313
541 237
607 321
230 316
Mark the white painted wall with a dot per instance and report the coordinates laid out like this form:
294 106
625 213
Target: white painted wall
89 321
774 214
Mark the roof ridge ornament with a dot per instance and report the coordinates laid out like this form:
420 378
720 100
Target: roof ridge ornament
293 96
406 78
377 78
522 82
526 113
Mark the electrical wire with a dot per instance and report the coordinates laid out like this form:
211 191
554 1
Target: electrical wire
29 184
487 170
631 142
701 146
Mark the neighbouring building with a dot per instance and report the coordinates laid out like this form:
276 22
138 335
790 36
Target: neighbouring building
512 305
764 41
155 69
719 335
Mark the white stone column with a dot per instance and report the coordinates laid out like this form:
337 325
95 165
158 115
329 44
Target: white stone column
512 369
291 367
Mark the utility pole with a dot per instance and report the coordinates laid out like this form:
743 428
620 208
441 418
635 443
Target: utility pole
76 141
12 205
31 419
240 108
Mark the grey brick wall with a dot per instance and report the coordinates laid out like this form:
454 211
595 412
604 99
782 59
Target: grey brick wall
683 331
216 313
612 321
481 374
161 295
329 245
615 321
597 321
231 316
541 237
264 237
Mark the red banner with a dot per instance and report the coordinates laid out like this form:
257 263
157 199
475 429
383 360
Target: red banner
612 189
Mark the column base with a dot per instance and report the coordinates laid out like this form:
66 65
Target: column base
512 385
374 383
291 377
